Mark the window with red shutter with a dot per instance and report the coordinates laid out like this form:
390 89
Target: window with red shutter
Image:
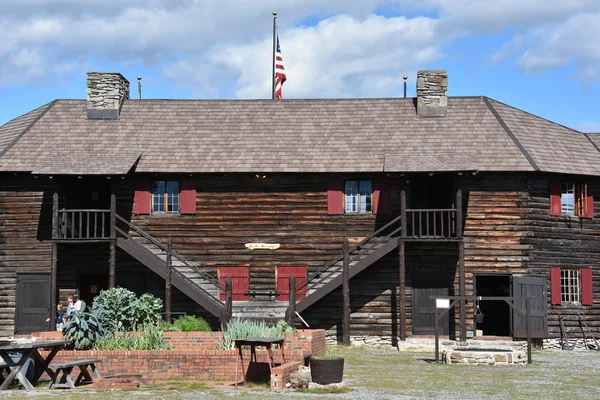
587 294
381 196
569 198
555 286
335 197
141 199
188 196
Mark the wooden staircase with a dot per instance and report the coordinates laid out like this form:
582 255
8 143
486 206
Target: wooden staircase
195 283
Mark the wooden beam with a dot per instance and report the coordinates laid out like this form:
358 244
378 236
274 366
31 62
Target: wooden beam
402 300
53 280
111 265
54 216
461 284
346 294
291 311
403 232
168 280
113 235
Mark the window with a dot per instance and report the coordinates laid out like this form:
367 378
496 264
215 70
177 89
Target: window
573 199
359 197
165 197
570 286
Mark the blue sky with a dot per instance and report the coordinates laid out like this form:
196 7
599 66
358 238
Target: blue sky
538 55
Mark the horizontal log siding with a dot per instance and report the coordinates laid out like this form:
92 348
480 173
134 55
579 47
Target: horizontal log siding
25 220
496 207
566 242
374 293
234 210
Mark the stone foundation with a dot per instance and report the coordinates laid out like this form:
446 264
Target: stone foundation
484 357
580 344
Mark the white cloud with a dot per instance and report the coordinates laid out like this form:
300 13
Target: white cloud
226 43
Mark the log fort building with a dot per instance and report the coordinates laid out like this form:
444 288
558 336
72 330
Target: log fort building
436 195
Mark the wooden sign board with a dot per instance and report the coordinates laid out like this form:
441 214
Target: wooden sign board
262 246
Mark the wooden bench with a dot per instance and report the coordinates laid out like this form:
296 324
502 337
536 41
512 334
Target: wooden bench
66 368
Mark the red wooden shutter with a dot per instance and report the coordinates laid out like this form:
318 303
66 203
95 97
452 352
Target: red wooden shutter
187 196
589 203
381 196
141 202
555 200
283 282
239 281
587 295
555 287
335 197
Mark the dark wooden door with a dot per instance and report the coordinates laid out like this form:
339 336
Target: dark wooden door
527 286
90 286
240 278
33 303
424 310
283 282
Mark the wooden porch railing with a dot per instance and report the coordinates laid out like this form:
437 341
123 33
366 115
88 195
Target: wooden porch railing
431 223
82 224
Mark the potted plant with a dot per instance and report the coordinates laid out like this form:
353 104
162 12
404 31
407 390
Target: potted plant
326 369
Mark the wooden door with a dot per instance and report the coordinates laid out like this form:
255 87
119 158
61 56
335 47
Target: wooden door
33 303
90 286
527 286
424 311
240 278
283 274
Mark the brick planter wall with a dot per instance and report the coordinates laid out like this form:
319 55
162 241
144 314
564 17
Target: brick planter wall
194 357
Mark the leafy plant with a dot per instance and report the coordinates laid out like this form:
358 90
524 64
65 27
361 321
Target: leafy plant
151 338
118 304
283 326
86 328
327 356
191 323
168 327
239 328
146 311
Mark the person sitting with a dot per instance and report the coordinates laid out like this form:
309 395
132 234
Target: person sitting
76 303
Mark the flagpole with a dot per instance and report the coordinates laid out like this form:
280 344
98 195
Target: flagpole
274 51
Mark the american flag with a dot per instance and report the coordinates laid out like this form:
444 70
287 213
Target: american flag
280 76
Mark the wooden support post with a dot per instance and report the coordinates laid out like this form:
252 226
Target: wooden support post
55 216
461 286
403 222
461 266
113 243
168 280
291 311
53 290
346 294
402 306
528 327
437 334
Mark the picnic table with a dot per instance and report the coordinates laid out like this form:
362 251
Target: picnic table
253 343
25 351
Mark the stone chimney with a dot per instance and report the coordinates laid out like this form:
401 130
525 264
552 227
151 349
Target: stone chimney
432 93
106 92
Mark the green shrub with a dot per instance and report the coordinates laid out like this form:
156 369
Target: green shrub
191 323
146 311
118 305
283 326
126 310
151 338
86 328
168 327
239 328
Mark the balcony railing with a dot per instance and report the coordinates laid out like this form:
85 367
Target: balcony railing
431 223
83 224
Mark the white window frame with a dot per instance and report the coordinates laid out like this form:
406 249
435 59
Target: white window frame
358 197
570 286
166 198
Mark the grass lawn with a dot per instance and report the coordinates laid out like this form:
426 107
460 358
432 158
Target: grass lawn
389 374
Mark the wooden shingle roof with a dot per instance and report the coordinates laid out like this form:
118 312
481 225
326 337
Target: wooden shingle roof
325 135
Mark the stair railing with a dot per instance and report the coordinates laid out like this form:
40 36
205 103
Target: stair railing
327 270
164 248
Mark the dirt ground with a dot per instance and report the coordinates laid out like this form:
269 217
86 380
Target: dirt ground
389 374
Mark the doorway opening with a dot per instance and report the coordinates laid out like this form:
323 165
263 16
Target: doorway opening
497 314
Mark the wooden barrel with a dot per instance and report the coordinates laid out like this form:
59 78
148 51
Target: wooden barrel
325 372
